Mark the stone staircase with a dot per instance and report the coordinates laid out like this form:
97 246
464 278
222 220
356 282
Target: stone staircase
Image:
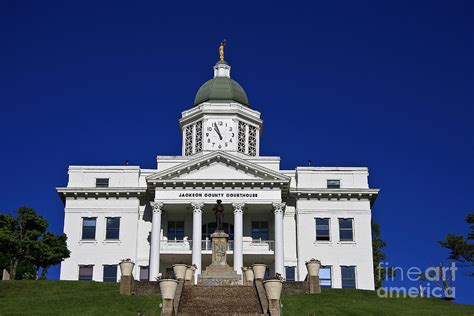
219 300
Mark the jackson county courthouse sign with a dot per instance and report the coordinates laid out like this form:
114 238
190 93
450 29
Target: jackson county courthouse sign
160 216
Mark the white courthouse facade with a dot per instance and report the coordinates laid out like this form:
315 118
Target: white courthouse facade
159 217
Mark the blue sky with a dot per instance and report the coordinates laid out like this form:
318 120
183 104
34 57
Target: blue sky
387 85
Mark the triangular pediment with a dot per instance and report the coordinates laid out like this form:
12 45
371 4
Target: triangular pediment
219 170
220 166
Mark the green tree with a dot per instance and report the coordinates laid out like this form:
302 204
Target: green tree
52 250
461 248
23 240
378 244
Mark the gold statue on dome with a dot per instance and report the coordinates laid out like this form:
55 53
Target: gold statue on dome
221 50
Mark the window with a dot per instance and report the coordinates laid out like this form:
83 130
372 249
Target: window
175 230
113 228
102 182
252 140
325 277
144 273
334 184
266 276
85 272
290 273
260 230
110 273
345 229
348 277
188 140
169 273
241 137
88 228
198 137
322 229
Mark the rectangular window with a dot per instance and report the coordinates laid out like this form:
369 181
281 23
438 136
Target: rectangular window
169 273
102 182
175 230
322 229
325 277
290 273
345 229
144 273
348 277
85 272
334 184
88 228
113 228
110 273
260 231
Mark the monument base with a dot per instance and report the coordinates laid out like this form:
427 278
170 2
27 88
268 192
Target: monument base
215 276
219 272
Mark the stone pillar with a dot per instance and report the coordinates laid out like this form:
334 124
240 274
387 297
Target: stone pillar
279 209
238 236
126 284
155 241
197 236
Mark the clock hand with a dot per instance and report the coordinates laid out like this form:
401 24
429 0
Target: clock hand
217 130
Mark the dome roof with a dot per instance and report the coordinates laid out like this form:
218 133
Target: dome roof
221 89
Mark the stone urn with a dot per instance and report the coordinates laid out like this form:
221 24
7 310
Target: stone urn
168 288
179 270
126 267
313 267
273 288
189 275
259 270
249 275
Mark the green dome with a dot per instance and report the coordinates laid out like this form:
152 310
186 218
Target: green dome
221 89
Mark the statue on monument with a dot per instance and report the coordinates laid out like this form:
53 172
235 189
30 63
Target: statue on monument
219 211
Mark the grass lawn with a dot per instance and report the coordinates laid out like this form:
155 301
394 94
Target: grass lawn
94 298
356 302
72 298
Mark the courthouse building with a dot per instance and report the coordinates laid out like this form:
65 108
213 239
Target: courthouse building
159 217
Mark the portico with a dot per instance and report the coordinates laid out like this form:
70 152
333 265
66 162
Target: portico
243 237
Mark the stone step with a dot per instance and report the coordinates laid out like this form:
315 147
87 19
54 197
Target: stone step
219 300
214 314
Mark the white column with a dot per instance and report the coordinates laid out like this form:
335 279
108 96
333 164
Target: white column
238 237
155 241
197 236
278 210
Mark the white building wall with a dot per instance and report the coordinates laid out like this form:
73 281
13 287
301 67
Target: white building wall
289 231
100 251
316 177
119 176
334 252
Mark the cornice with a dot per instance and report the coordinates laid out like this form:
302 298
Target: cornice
335 194
110 192
232 109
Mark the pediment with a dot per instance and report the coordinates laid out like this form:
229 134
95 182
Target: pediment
218 170
220 166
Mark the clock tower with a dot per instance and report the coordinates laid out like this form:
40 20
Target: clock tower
221 118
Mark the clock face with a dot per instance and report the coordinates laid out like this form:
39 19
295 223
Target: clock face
219 134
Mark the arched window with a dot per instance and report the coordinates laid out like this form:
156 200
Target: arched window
209 228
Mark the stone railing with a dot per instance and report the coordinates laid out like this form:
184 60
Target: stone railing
249 245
